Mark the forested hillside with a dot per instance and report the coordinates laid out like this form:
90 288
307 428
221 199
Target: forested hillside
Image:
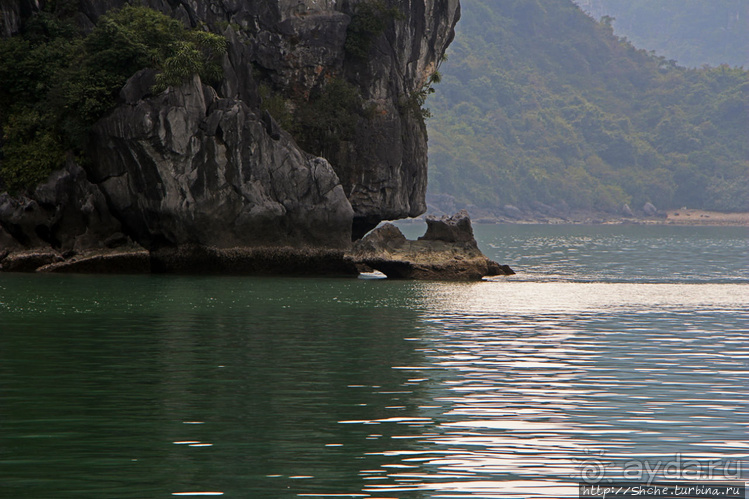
541 104
693 32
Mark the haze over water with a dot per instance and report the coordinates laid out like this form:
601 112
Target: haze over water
612 345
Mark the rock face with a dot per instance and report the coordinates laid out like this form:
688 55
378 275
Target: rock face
186 167
205 167
65 225
12 13
447 251
65 213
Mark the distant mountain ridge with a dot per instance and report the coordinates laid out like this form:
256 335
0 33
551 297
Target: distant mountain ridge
542 106
692 32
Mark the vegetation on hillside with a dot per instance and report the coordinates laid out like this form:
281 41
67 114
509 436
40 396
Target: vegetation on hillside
55 82
692 32
539 103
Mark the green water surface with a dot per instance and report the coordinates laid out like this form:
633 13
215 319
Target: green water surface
165 386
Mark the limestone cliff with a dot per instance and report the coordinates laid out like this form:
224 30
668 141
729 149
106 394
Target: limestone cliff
186 167
204 166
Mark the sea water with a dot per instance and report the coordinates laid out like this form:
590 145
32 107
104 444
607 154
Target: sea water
613 347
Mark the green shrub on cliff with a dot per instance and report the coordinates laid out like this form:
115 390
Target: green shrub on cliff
415 102
31 150
368 21
322 121
328 118
136 37
55 83
277 106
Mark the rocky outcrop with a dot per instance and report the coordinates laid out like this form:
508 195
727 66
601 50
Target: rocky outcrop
386 173
12 14
65 213
205 167
186 167
29 260
447 251
649 209
65 225
126 260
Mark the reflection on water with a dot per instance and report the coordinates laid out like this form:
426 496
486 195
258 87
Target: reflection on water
529 397
156 386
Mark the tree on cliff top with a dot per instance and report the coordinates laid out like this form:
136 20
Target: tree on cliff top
55 83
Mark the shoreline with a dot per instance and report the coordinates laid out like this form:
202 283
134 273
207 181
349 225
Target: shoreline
703 217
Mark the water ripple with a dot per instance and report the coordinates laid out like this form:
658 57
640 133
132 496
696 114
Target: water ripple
521 403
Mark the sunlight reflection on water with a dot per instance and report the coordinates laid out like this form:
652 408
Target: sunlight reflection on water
505 297
535 381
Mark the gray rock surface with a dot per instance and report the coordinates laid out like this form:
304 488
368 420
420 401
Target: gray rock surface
386 178
454 229
186 167
513 211
448 251
66 212
12 13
